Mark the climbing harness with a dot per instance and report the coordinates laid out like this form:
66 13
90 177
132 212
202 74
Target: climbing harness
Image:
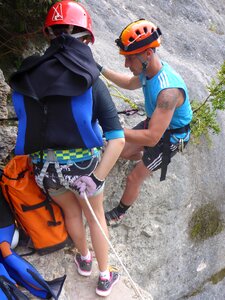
166 155
180 142
51 159
78 154
55 157
113 249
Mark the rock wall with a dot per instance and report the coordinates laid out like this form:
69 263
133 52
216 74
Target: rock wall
7 131
154 239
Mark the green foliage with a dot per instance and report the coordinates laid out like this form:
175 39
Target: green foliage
205 222
214 279
203 122
205 114
21 21
219 276
116 93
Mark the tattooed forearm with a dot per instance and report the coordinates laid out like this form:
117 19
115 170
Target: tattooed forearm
168 99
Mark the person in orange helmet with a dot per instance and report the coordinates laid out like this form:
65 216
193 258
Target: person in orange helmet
165 130
63 107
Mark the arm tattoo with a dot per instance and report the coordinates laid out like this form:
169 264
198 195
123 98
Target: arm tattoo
168 99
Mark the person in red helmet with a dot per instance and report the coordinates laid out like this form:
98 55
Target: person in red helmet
70 13
165 130
61 103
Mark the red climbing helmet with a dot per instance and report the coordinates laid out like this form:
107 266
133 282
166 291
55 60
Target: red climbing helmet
68 12
138 36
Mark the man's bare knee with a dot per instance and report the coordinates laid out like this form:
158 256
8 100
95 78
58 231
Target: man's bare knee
138 175
131 156
133 179
131 152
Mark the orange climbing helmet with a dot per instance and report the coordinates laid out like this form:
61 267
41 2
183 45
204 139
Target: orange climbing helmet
138 36
69 12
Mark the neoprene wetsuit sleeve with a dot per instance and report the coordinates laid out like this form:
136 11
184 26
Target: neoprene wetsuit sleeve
105 112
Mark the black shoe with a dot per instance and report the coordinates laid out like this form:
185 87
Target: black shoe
83 266
104 286
114 217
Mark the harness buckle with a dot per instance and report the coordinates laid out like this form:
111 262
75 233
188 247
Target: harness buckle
51 157
181 145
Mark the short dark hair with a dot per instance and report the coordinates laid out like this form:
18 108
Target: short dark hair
62 28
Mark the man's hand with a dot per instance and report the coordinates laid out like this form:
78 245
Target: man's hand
99 67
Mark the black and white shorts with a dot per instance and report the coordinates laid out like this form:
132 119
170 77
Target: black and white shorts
152 156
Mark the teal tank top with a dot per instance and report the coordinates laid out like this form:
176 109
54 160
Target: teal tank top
164 79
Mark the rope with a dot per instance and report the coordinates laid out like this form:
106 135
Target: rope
111 246
119 94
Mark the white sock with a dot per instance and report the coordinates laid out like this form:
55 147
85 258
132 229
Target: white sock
86 257
105 274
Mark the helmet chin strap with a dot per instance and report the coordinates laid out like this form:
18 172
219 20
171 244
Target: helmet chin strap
143 62
80 34
51 33
144 67
70 30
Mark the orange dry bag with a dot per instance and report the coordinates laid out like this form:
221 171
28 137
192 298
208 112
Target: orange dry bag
38 216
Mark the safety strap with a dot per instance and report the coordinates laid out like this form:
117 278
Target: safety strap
47 205
166 154
10 289
20 175
44 126
51 159
25 208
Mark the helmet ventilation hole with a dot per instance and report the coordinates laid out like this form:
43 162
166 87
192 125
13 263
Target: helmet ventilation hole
138 32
